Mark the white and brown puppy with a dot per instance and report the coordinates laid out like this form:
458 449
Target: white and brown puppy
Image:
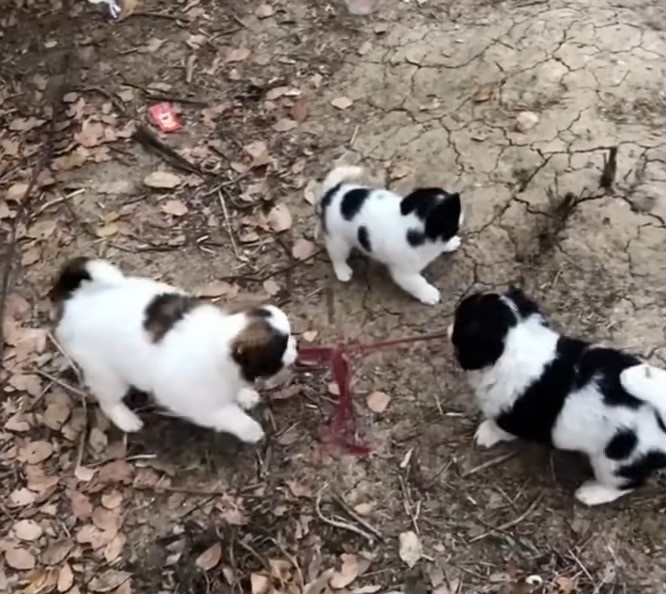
197 360
537 384
403 233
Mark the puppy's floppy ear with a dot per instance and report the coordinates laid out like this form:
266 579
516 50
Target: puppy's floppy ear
443 222
526 307
480 328
258 349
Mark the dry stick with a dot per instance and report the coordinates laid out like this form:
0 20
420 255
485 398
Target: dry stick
339 523
227 224
489 463
44 159
352 514
510 523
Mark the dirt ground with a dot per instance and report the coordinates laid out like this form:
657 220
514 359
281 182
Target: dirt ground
270 94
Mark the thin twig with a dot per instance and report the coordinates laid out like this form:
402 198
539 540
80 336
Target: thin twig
227 224
510 523
352 514
338 523
489 463
62 384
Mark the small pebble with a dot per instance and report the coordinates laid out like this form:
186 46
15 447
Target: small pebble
526 120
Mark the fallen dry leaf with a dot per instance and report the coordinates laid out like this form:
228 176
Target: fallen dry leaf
22 497
565 585
210 557
27 530
82 507
65 578
16 192
91 134
259 153
162 180
25 124
411 549
299 110
42 582
114 548
347 573
483 92
109 580
26 383
174 208
17 423
107 230
56 415
303 249
238 55
42 229
216 288
279 218
57 552
18 558
112 500
263 11
311 192
35 452
260 584
341 102
270 286
378 401
284 125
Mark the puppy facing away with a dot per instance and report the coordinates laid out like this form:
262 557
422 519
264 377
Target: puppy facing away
199 362
405 234
536 384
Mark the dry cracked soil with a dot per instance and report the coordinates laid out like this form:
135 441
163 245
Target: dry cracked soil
270 94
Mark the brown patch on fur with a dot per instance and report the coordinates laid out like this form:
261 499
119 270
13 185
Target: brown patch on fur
259 348
164 311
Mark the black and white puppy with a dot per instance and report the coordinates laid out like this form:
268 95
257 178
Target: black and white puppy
536 384
405 234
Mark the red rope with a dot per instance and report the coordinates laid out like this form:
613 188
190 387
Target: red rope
344 431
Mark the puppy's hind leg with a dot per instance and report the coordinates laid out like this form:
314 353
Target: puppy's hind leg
606 486
110 391
338 251
416 285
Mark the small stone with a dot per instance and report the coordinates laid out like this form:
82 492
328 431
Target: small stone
526 120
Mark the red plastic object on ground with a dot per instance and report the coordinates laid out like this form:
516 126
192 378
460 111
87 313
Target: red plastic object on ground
164 117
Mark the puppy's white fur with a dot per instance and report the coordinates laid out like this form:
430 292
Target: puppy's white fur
189 371
388 227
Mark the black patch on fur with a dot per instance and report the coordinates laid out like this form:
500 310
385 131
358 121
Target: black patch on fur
533 414
165 311
640 469
604 366
352 202
525 306
326 202
621 445
69 279
438 209
660 422
364 238
415 238
259 354
480 326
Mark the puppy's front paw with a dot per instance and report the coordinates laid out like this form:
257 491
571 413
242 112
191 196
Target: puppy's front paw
489 434
452 244
343 272
429 295
251 432
248 398
122 417
593 493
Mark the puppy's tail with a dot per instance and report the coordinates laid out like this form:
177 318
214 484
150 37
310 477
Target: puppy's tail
340 174
79 271
647 383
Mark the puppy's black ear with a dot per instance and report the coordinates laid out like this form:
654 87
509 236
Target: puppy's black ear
443 222
481 324
526 307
